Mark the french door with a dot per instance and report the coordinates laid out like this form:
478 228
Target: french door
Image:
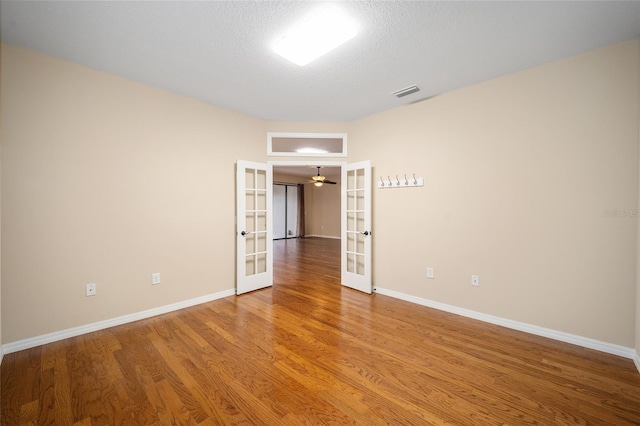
356 226
254 226
254 240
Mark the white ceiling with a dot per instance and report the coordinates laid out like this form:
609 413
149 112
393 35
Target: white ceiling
220 51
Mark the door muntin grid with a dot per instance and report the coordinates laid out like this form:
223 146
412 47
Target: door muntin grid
255 221
355 222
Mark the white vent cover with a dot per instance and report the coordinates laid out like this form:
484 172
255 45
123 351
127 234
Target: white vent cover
406 91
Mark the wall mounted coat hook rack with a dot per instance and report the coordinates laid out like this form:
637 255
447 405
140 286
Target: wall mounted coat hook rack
400 183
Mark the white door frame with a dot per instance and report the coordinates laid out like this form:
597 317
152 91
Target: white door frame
342 165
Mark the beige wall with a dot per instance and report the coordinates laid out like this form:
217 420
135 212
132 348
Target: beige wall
638 242
286 178
106 181
322 205
519 175
306 127
1 55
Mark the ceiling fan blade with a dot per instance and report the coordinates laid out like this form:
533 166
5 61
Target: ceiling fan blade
329 182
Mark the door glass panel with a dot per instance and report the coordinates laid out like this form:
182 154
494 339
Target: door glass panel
249 179
261 221
250 265
249 224
261 179
351 220
351 183
250 200
351 246
360 248
360 222
360 265
351 205
262 200
262 242
262 263
360 200
251 243
351 263
360 179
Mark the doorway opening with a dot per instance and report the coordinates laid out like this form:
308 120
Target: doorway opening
315 244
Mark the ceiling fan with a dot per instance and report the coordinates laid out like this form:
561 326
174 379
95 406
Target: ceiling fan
319 180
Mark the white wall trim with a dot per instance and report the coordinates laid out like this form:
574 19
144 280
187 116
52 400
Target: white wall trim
32 342
516 325
636 361
321 236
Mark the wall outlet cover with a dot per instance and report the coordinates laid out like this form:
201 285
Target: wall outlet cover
91 290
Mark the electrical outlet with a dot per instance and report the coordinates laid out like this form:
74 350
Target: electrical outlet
429 272
155 278
91 290
475 280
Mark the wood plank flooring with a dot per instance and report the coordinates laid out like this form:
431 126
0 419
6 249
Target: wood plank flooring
309 352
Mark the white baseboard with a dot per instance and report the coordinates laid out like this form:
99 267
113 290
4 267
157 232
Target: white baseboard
32 342
516 325
321 236
636 361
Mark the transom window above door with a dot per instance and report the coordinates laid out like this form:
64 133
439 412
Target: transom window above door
307 144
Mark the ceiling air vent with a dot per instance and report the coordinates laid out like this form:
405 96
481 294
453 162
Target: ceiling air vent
406 91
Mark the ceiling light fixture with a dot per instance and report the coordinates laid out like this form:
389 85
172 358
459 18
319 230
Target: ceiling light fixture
315 36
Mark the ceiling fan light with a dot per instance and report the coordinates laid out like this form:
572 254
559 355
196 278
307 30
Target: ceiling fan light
318 177
317 183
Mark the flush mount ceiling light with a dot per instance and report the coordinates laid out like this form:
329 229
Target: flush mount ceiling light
314 36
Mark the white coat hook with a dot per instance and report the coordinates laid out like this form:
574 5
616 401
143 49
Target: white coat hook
400 183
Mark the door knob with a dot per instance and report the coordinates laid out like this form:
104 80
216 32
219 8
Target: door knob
366 233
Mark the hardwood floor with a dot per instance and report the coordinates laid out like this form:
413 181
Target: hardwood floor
309 352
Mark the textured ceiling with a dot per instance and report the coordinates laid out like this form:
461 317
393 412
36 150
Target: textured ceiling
220 51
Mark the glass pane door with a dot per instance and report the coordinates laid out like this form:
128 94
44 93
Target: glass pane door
254 239
356 226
